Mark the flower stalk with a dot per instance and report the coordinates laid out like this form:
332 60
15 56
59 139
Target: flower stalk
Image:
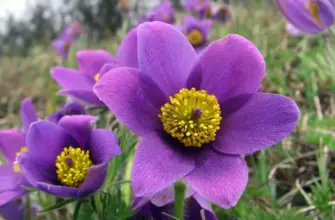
179 195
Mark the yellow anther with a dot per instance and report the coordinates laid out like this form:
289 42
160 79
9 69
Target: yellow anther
195 37
195 121
16 165
96 77
72 166
313 8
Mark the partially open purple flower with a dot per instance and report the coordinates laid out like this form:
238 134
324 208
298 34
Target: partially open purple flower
196 115
70 108
164 12
160 206
63 43
79 83
12 144
14 210
68 159
197 32
309 16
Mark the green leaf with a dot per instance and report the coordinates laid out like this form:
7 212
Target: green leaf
58 205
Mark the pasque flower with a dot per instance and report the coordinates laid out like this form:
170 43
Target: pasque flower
12 144
309 16
197 32
70 108
196 115
163 12
201 7
160 206
79 83
63 43
68 159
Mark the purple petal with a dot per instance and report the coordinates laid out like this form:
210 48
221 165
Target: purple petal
91 61
139 202
11 141
79 127
157 165
229 67
219 178
60 49
127 52
95 178
27 113
45 141
86 96
262 121
71 79
106 68
70 108
104 145
165 56
58 190
195 207
9 196
166 196
121 90
9 180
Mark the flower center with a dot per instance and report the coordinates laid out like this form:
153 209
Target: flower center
208 12
67 45
16 165
96 77
72 166
192 116
195 37
166 16
314 9
223 13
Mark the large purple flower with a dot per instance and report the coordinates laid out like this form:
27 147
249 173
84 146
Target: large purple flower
68 159
12 144
79 83
197 32
63 43
309 16
197 115
160 206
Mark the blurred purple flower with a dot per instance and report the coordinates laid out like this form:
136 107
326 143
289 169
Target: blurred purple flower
70 108
164 12
14 210
68 159
63 43
79 83
293 31
200 7
309 16
198 115
221 13
160 206
197 32
12 144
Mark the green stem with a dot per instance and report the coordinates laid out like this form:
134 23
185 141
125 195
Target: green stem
179 198
27 208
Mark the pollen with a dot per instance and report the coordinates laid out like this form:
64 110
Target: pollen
96 77
314 9
192 116
195 37
72 166
16 165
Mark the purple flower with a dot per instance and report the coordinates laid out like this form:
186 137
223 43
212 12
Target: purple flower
200 7
14 210
163 12
12 144
310 16
79 83
70 108
160 206
197 32
63 43
221 13
196 115
68 159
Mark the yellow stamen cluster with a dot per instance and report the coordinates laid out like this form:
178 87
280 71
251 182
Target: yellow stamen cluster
192 116
314 9
195 37
72 166
16 165
96 77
